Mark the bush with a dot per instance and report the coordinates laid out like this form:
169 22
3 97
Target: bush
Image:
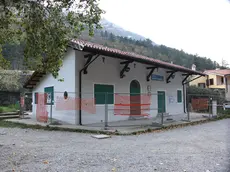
224 112
10 108
197 92
14 106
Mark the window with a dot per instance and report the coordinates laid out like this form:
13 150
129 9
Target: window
50 95
100 92
211 82
179 96
201 85
222 80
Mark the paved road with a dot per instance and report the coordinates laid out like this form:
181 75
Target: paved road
199 148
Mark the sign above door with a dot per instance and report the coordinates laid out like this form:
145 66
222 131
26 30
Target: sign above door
155 77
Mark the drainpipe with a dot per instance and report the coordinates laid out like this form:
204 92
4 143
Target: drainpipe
184 97
80 84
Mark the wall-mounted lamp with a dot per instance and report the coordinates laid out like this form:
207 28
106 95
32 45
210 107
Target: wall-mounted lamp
127 69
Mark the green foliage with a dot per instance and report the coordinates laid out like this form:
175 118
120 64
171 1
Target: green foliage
45 28
14 106
10 108
222 112
10 80
197 92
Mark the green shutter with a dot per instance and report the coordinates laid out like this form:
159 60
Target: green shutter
100 91
179 96
50 90
110 94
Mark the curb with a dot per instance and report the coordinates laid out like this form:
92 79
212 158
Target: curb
9 124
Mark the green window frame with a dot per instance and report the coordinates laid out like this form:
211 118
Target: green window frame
100 92
179 96
50 90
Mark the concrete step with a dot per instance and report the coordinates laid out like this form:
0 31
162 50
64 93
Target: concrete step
11 113
9 117
8 113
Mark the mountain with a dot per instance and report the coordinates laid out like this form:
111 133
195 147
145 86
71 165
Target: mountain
115 37
119 31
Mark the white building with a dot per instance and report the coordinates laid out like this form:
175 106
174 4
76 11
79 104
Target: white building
90 68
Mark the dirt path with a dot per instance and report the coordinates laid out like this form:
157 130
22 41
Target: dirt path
196 149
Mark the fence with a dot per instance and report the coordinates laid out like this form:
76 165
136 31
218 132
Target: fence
204 105
10 101
123 109
120 109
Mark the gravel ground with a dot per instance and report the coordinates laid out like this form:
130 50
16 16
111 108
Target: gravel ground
200 148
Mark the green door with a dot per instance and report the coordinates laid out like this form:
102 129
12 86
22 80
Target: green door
161 101
50 95
135 99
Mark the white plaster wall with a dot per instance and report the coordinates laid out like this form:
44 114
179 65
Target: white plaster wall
109 73
67 71
106 73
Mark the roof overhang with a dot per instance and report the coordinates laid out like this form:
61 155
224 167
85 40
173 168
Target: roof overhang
115 53
111 52
34 79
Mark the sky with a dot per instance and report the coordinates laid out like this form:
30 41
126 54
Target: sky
199 27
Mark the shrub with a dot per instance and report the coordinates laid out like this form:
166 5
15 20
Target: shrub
224 112
197 92
1 109
14 106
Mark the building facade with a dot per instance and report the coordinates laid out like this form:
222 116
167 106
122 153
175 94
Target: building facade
90 71
215 79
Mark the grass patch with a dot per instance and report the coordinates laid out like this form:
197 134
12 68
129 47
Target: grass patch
10 108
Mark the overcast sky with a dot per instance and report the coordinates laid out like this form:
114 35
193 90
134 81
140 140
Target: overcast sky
197 26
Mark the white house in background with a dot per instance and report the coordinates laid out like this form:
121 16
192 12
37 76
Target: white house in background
90 69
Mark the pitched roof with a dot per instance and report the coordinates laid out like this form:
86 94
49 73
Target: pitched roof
218 71
103 50
86 46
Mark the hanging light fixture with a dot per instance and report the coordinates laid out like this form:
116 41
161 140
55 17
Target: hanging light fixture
103 59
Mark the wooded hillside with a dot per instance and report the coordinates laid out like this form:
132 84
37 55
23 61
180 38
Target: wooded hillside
147 48
14 53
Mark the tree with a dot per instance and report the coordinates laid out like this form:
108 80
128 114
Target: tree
224 63
102 34
45 27
106 34
9 80
112 37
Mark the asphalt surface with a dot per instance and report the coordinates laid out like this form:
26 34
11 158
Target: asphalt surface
201 148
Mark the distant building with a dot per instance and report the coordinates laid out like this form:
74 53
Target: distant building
216 79
11 85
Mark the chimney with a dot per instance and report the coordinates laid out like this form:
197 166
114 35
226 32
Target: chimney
193 67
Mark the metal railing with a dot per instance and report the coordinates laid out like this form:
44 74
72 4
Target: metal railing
108 110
